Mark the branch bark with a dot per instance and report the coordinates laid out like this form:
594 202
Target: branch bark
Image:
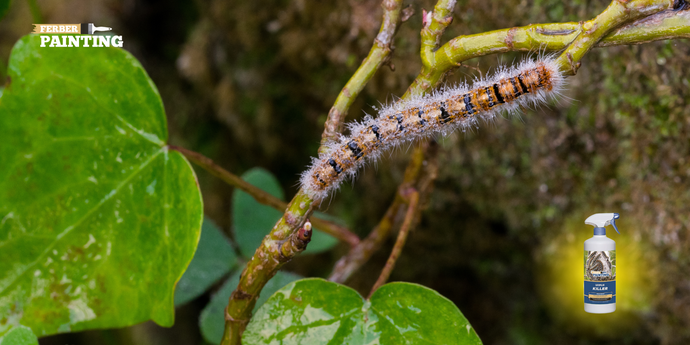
667 24
616 14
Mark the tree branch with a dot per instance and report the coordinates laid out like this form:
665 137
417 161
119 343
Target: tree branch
618 13
338 231
378 55
667 24
434 24
413 201
276 249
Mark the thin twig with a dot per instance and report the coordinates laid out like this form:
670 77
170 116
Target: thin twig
338 231
413 197
362 252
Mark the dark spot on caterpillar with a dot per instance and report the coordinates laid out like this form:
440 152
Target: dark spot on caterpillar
421 120
680 5
467 98
375 129
320 180
522 83
499 98
444 114
335 166
399 118
516 89
492 102
542 81
356 151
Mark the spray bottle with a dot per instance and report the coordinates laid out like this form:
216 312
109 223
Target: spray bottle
600 265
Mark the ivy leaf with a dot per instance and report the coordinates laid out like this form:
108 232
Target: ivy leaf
98 219
212 320
21 335
315 311
214 258
252 221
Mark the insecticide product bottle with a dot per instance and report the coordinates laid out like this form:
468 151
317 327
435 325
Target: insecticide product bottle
600 265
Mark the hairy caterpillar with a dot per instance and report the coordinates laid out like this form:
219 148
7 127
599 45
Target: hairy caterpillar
441 112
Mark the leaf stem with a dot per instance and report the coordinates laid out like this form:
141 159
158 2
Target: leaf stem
413 201
338 231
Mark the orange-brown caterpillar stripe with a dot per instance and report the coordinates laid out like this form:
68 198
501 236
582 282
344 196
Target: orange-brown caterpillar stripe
441 112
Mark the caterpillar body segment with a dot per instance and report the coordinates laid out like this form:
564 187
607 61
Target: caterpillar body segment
442 112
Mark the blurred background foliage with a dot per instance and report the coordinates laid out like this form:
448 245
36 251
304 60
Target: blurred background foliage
249 84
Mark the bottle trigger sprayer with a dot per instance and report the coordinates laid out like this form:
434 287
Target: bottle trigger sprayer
600 265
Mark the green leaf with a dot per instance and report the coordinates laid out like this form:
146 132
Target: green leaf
98 219
315 311
212 320
214 258
21 335
252 221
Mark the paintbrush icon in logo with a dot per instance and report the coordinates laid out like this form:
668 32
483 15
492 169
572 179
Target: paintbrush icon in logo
90 29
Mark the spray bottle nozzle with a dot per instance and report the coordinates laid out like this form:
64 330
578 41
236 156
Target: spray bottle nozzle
613 221
601 220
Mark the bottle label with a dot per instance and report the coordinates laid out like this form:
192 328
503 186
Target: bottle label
600 276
